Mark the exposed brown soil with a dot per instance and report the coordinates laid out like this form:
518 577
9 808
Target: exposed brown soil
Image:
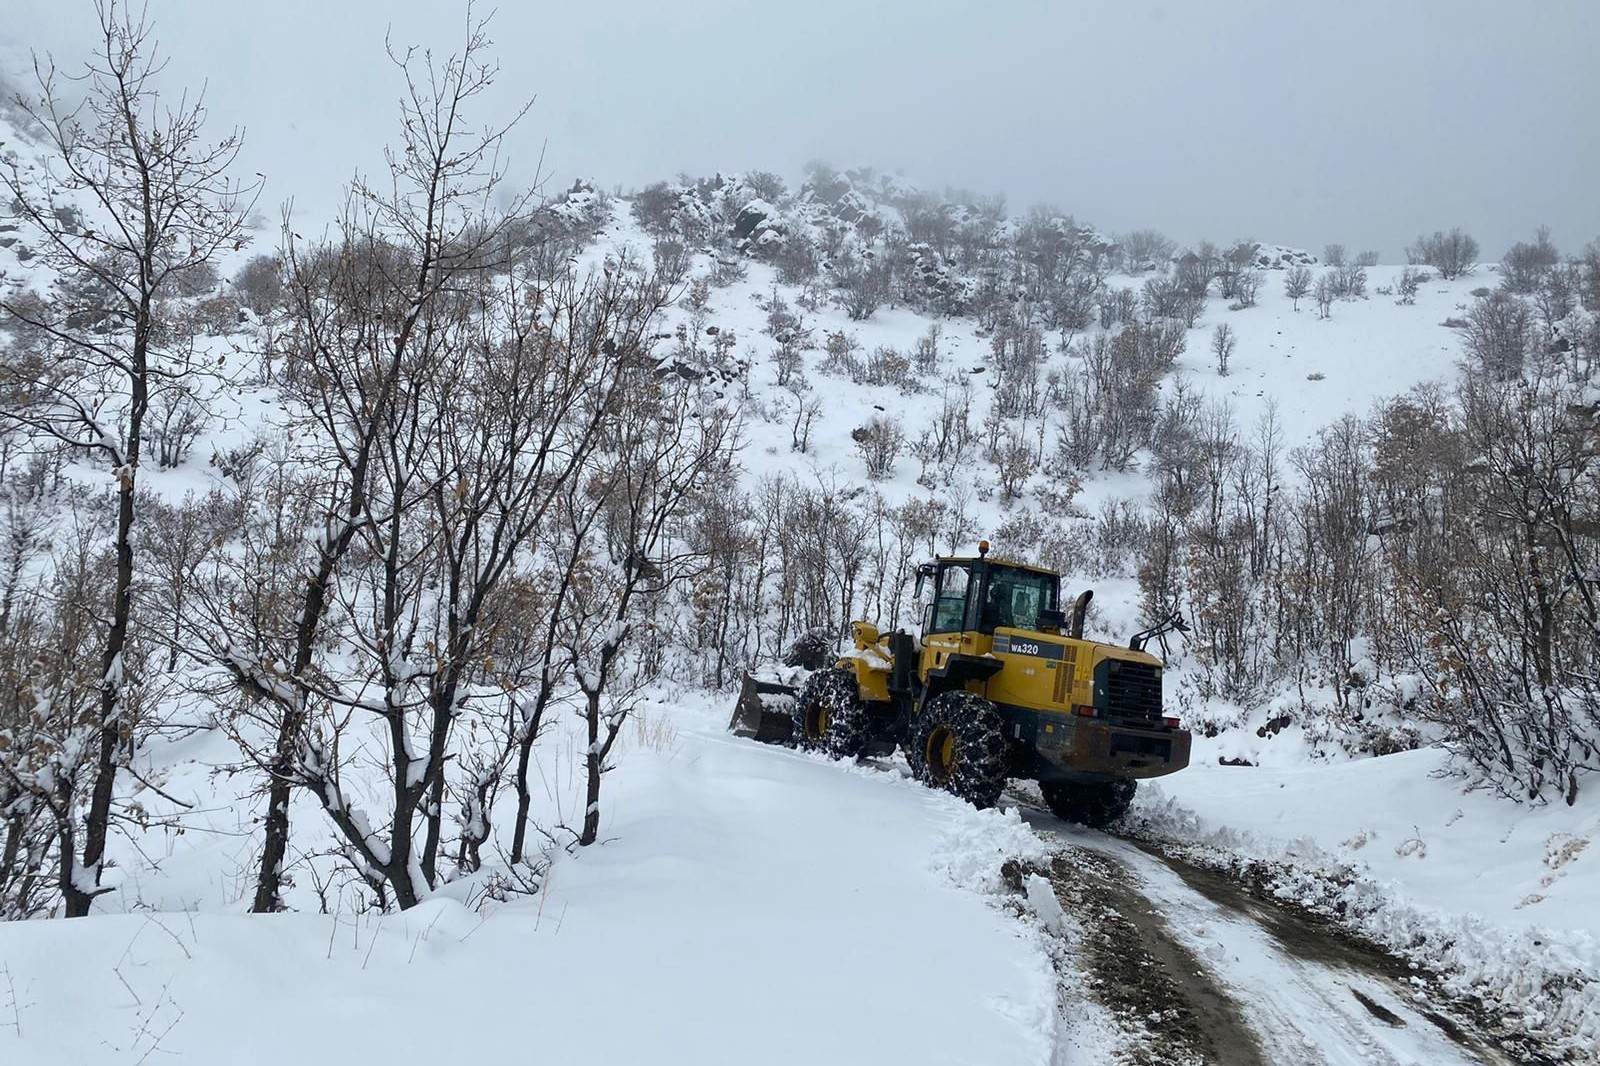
1313 937
1164 1000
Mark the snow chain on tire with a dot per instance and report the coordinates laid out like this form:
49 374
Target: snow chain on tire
829 715
1096 805
957 744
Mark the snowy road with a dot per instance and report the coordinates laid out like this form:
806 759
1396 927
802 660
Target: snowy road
1193 968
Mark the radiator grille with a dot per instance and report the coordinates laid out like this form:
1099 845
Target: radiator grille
1133 690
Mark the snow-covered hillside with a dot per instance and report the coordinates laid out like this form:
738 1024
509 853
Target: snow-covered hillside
863 374
1436 862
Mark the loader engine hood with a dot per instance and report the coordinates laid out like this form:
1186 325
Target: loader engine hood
1047 672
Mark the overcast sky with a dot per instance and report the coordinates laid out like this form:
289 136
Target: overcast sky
1358 121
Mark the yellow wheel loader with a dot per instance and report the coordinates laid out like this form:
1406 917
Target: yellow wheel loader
1000 685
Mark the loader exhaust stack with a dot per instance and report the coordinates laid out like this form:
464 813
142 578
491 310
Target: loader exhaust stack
1080 607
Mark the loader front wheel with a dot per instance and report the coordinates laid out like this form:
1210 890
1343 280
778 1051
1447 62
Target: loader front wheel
829 715
957 745
1096 805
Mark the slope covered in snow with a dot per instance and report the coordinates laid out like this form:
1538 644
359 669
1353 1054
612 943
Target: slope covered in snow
751 904
738 888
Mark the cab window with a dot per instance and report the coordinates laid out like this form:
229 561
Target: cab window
950 609
1016 598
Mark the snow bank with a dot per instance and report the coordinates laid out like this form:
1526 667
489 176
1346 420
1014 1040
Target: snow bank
752 904
1494 899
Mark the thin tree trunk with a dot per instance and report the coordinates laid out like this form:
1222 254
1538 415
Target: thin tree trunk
592 767
275 844
398 871
433 811
525 742
113 698
519 835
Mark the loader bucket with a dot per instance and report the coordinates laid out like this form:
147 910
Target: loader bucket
765 711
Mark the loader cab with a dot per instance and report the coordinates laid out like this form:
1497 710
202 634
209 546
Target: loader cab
951 583
1018 597
981 595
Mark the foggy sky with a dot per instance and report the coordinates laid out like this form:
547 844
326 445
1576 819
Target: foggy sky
1298 123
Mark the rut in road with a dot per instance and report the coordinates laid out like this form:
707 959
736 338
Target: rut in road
1165 1004
1194 972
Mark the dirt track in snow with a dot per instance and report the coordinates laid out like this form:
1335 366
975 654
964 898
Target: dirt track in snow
1193 968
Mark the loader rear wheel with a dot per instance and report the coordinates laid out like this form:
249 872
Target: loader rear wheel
1096 805
957 744
829 715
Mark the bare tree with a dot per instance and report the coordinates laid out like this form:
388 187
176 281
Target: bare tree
157 205
1499 334
177 419
669 444
1452 254
805 414
1324 294
927 351
1297 284
1526 265
1223 341
840 350
1145 249
1015 462
1232 264
49 703
786 357
259 283
498 464
879 442
1407 283
1505 636
1334 255
1245 287
1118 307
1173 298
397 325
862 280
1196 268
1349 282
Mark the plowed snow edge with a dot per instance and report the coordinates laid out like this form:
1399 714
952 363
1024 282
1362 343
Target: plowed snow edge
1536 999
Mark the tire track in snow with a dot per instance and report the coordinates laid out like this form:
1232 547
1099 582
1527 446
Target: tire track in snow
1300 994
1126 984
